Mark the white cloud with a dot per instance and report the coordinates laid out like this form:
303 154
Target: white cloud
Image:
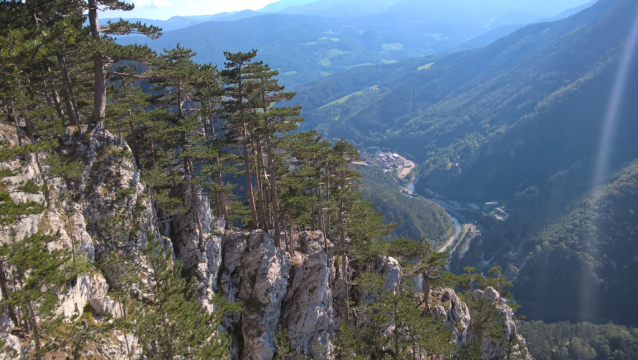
164 9
152 3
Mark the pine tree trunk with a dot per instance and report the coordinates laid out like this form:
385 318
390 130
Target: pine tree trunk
263 198
268 198
312 213
426 291
344 260
249 182
260 195
99 100
271 167
36 332
14 120
291 246
56 101
5 295
73 107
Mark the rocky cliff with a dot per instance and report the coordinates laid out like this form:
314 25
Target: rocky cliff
276 288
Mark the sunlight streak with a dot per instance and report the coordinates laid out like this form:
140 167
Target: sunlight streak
605 151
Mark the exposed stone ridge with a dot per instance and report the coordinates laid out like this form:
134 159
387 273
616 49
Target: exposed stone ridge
448 308
109 185
308 314
295 291
498 350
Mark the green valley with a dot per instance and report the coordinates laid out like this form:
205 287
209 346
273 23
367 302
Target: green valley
519 121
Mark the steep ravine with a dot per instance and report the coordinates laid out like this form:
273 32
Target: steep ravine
276 288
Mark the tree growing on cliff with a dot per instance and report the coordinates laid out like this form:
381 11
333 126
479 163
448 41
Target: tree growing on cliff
169 321
428 266
390 325
38 276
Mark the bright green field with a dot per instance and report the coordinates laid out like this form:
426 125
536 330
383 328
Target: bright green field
343 99
426 66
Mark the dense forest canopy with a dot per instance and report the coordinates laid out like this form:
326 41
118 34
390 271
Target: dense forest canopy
563 340
163 134
519 121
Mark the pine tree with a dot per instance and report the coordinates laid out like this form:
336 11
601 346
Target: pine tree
428 267
208 92
390 325
276 120
105 47
168 320
35 296
238 114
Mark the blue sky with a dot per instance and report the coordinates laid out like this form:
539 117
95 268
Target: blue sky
164 9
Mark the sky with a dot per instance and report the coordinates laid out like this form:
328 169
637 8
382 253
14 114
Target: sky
164 9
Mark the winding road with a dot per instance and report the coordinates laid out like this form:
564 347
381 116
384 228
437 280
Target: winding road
458 231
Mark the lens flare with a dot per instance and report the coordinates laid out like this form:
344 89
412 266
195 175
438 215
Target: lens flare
605 151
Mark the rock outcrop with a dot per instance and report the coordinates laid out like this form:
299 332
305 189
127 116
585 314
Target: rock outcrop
78 210
297 292
448 308
256 273
391 270
197 236
499 350
308 314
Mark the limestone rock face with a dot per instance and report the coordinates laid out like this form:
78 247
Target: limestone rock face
257 275
90 289
451 310
498 350
278 289
13 349
197 236
389 267
110 185
78 210
308 314
27 225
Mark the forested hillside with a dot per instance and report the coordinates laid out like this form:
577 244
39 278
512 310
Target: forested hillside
417 217
566 341
447 112
327 37
520 121
306 47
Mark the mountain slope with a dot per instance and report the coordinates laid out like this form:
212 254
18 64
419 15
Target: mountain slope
456 103
341 8
519 121
593 243
180 22
308 47
283 4
417 217
326 37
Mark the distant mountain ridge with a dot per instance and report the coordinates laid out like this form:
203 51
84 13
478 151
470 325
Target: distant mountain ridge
180 22
284 4
306 47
